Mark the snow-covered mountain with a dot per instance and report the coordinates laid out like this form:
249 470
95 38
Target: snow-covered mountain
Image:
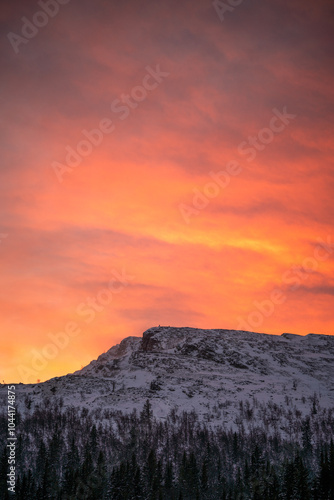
209 371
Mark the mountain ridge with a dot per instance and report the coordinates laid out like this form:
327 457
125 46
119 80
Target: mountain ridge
148 341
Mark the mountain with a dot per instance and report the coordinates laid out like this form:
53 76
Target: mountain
208 371
179 413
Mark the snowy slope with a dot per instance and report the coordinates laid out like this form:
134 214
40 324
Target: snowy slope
209 371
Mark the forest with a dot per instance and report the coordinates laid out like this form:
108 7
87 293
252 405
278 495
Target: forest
270 453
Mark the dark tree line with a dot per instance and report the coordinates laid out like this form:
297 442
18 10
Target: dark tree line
70 453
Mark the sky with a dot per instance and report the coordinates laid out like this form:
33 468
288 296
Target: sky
163 163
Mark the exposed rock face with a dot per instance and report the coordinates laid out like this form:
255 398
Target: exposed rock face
149 343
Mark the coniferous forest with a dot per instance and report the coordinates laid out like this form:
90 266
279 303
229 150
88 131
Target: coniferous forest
71 453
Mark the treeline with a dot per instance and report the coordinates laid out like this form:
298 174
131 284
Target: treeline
70 453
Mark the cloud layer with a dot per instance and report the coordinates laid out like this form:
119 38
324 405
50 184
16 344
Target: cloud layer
122 206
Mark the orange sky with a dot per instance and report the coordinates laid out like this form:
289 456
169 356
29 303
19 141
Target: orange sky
255 252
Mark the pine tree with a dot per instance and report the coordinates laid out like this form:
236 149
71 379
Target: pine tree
331 470
146 414
168 478
301 480
324 476
288 480
204 477
306 436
